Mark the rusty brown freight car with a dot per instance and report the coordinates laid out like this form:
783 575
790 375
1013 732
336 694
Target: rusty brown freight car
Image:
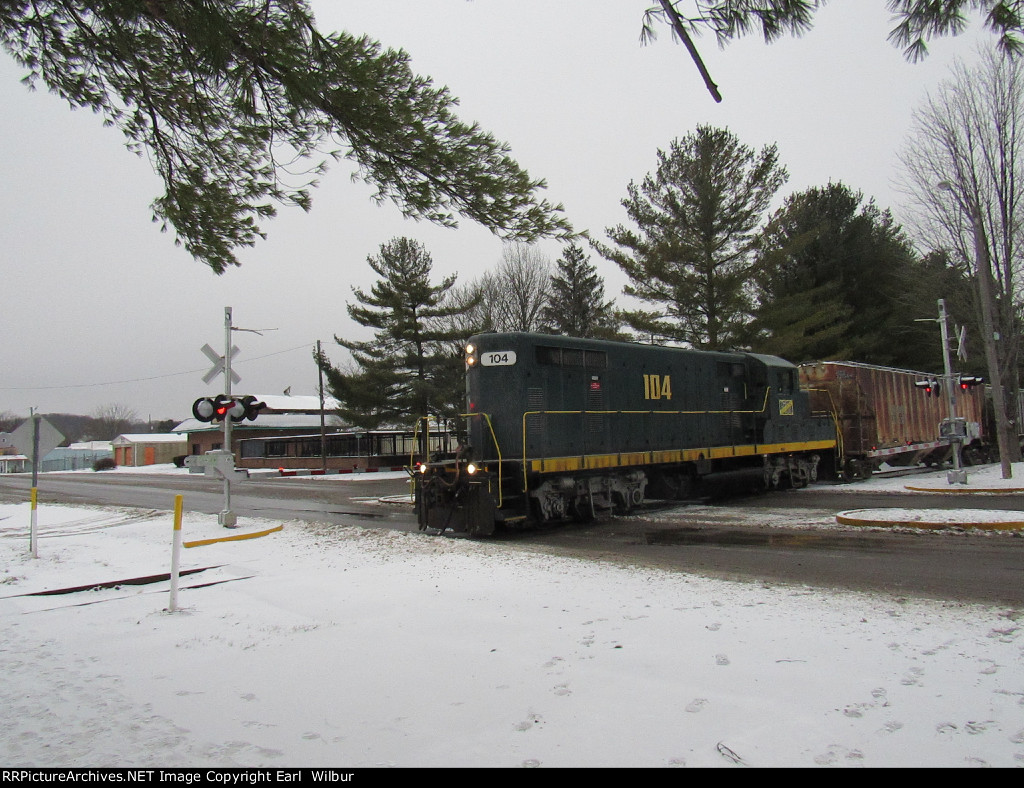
882 416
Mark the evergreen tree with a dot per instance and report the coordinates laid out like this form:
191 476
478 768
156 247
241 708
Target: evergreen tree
830 277
409 369
917 21
924 282
213 92
576 305
696 216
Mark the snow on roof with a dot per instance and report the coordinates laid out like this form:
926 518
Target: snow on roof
146 437
286 402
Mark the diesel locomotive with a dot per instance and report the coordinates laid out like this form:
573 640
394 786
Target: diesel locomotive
558 428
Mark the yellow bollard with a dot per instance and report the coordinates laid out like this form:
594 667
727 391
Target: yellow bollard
175 553
33 539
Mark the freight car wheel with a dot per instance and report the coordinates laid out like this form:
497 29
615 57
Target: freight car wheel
974 455
855 470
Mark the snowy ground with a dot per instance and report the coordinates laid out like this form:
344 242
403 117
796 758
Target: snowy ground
325 646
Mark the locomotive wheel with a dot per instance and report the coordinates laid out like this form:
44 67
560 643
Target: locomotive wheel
583 510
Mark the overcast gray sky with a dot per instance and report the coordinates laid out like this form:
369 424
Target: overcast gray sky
100 307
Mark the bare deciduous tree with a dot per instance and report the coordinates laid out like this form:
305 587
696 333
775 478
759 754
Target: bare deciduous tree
513 296
9 421
963 169
113 420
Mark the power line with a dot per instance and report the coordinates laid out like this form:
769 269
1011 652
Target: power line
143 380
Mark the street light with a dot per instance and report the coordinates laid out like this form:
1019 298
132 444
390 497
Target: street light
984 270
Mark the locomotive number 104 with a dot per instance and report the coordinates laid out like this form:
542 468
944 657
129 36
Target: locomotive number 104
498 358
657 387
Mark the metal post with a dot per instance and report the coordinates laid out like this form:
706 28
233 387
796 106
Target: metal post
227 518
957 475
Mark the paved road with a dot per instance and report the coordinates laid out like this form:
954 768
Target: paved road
779 537
750 541
313 498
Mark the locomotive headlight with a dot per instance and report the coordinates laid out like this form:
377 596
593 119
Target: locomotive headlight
470 349
471 468
471 355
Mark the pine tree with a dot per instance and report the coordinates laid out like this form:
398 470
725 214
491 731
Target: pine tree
697 217
830 277
576 305
917 21
409 369
213 93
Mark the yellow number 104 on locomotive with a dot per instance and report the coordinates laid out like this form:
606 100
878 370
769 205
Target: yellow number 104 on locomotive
657 387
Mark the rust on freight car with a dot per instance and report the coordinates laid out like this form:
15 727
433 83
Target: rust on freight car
882 416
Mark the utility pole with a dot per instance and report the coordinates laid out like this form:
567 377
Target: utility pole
1004 436
323 426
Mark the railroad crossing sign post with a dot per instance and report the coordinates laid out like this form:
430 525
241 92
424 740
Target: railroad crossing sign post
35 438
957 475
222 365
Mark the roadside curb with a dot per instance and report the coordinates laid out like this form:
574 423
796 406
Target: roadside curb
922 518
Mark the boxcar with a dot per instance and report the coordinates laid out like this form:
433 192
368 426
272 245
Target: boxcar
884 415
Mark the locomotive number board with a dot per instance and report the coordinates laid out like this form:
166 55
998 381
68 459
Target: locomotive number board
498 358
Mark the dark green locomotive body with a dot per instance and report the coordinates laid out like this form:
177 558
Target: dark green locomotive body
565 428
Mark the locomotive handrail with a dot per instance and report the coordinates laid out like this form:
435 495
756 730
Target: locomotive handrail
764 409
415 431
497 448
494 438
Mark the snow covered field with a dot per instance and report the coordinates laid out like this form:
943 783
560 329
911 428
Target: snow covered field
346 647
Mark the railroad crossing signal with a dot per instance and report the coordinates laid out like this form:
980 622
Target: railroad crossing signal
222 407
970 381
931 387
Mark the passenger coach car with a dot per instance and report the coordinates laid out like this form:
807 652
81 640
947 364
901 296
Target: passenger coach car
560 428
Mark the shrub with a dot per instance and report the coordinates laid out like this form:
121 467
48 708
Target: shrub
104 464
